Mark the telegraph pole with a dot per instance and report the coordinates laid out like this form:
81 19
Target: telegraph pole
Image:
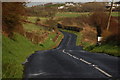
109 18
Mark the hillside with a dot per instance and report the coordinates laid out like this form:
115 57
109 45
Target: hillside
17 49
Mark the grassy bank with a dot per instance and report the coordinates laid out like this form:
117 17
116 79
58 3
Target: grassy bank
16 50
109 48
14 53
49 43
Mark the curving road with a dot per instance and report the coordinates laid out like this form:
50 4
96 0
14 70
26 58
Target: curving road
70 61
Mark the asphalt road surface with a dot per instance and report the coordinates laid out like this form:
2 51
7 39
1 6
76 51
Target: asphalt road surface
71 61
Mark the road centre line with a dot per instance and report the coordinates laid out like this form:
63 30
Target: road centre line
36 74
96 67
69 40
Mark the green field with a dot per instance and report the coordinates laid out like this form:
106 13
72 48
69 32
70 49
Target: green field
67 14
116 14
32 27
33 19
71 14
76 14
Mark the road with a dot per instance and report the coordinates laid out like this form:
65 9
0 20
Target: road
71 61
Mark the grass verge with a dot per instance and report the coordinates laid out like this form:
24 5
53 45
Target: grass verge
16 50
14 53
49 43
108 48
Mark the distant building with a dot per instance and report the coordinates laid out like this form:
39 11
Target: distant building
115 5
61 7
69 4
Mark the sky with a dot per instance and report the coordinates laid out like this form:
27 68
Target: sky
69 0
38 2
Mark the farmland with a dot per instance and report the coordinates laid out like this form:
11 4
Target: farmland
76 14
71 14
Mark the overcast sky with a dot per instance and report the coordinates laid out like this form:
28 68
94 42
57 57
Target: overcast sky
33 2
69 0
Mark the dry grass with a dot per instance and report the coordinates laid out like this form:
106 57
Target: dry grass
113 33
89 34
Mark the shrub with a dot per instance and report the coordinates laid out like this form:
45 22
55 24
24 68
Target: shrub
12 13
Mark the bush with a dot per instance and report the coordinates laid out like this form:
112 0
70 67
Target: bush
37 20
100 20
12 13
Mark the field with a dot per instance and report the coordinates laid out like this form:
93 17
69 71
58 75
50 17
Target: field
115 14
33 19
76 14
67 14
70 14
32 27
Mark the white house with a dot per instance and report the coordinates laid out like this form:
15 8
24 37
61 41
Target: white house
61 7
69 4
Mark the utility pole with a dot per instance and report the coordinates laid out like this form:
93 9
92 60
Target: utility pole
109 18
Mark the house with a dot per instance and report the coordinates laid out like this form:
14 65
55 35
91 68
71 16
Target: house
115 5
61 7
69 4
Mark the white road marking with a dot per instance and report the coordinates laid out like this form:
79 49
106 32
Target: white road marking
103 72
36 74
95 66
70 50
85 61
69 39
74 57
